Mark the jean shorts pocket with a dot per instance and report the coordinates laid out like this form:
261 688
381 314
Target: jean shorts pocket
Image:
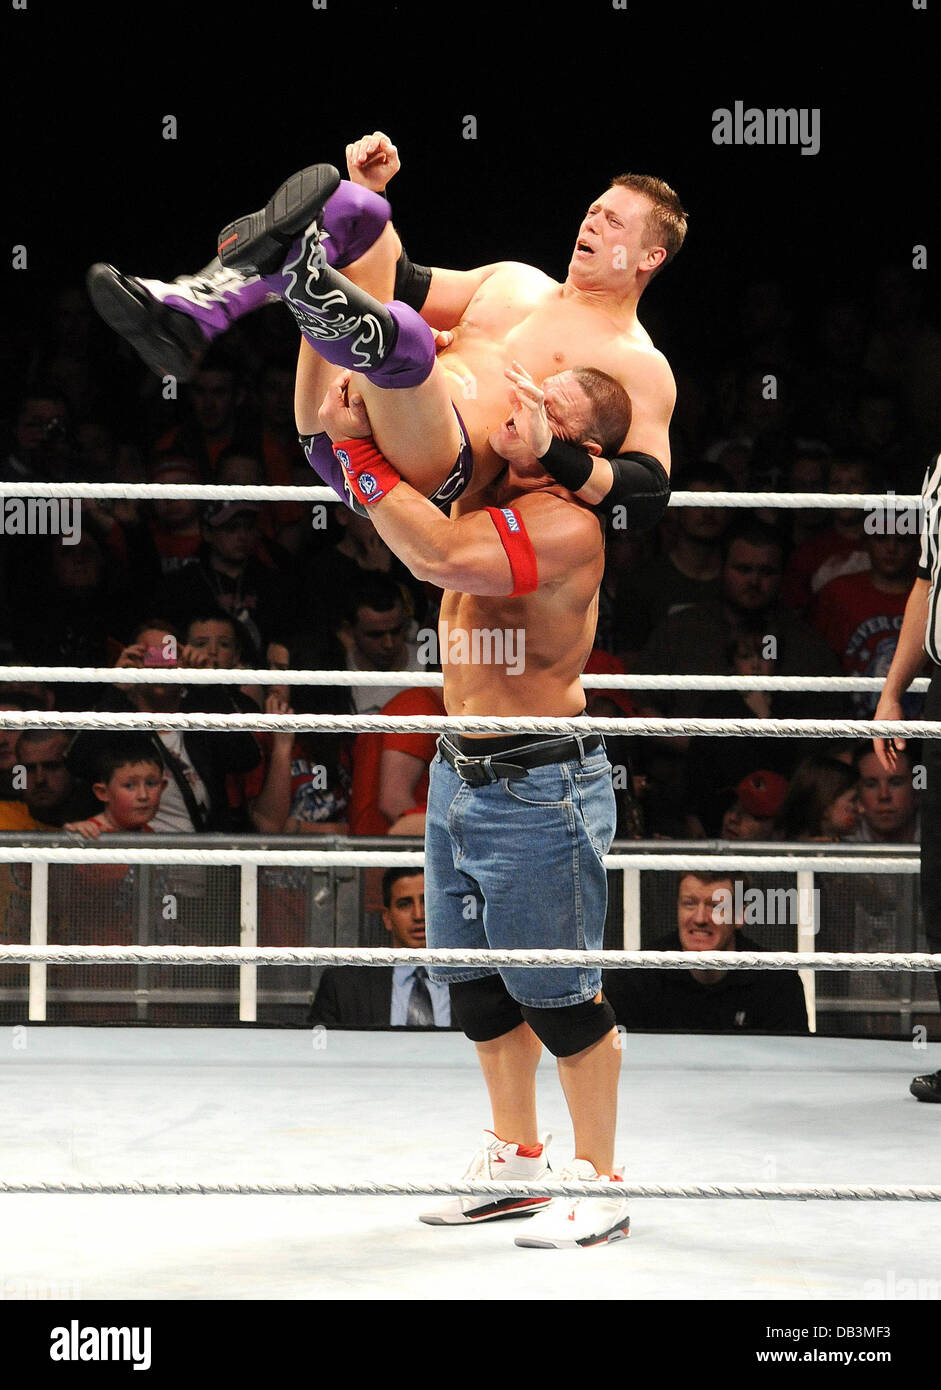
592 771
545 786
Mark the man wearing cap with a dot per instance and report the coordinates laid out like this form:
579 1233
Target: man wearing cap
228 575
758 799
709 917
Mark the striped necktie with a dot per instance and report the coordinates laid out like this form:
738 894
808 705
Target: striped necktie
421 1013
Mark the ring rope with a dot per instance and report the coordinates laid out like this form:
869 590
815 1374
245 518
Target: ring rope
99 852
476 724
215 492
788 1192
523 959
145 675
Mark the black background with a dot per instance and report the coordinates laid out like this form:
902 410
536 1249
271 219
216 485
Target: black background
565 95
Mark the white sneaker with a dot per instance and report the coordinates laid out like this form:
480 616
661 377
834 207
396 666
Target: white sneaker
580 1221
496 1162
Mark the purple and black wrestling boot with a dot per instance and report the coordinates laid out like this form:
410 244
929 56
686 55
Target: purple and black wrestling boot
388 343
170 324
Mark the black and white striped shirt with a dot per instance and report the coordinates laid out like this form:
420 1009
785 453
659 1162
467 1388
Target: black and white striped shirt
929 566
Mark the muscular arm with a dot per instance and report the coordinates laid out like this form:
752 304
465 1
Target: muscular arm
649 382
634 482
467 555
451 291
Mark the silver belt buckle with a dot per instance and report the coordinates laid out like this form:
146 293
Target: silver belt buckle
475 772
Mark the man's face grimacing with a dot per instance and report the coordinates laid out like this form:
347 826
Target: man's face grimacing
404 918
751 578
569 412
703 914
612 242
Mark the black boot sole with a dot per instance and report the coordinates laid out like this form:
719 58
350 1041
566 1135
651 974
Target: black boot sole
259 240
169 342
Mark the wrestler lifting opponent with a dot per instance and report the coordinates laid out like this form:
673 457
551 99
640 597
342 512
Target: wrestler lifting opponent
318 235
517 826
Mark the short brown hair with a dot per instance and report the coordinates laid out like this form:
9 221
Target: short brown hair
708 876
666 220
610 417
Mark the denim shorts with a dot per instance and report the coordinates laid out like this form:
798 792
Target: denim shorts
518 865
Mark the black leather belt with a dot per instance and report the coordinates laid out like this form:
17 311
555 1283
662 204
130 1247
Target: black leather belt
514 763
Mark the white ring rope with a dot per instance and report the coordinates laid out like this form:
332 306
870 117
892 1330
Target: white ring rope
145 675
101 852
521 959
215 492
788 1192
477 724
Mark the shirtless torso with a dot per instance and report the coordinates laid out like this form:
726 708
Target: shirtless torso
520 314
544 638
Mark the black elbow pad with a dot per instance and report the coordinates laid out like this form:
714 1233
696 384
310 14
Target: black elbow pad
412 282
642 488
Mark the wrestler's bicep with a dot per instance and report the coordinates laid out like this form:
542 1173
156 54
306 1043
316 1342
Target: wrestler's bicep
652 390
511 551
474 559
450 292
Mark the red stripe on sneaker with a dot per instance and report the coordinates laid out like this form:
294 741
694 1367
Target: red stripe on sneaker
506 1204
228 241
529 1150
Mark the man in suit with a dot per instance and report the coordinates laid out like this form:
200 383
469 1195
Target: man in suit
388 996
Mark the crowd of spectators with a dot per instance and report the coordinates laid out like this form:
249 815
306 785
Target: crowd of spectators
844 398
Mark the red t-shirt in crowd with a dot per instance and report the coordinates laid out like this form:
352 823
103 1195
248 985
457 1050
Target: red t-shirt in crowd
806 573
602 663
365 817
861 624
175 548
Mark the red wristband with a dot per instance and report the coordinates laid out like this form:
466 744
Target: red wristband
519 549
369 473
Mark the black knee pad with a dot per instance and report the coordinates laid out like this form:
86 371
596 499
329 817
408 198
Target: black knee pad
571 1029
484 1009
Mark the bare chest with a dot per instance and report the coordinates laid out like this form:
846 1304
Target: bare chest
526 319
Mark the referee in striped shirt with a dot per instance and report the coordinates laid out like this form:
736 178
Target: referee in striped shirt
920 634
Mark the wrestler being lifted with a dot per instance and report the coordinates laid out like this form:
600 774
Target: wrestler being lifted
429 347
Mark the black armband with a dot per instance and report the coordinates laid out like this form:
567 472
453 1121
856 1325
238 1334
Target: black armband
642 487
568 464
412 282
641 484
